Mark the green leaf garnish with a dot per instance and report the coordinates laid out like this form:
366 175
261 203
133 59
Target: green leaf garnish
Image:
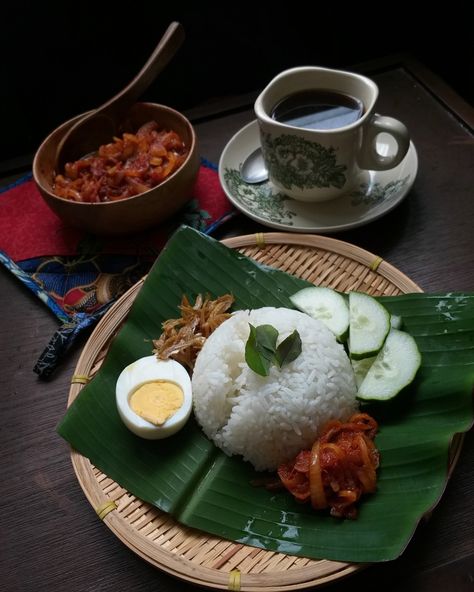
266 337
261 350
289 349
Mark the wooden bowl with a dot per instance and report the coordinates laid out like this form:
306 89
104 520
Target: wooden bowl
135 213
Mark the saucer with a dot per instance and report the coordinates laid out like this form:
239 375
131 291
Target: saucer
374 194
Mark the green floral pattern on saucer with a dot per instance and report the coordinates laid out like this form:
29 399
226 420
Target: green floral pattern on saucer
259 199
295 162
370 194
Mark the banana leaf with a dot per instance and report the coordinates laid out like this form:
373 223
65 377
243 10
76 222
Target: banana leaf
187 476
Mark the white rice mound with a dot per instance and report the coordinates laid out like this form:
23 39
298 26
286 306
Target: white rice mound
268 420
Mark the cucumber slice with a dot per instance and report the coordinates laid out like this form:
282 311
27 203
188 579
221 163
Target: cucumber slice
394 368
361 367
396 322
325 305
369 325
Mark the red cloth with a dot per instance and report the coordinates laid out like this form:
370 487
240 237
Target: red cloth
28 228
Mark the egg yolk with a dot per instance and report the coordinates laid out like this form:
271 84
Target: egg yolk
157 401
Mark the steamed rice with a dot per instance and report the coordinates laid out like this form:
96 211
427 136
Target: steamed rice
268 420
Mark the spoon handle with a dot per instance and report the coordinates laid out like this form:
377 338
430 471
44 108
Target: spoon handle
161 56
76 141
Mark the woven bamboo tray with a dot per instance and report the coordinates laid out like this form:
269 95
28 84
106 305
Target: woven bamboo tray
191 555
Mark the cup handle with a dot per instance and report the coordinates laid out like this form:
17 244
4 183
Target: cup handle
369 158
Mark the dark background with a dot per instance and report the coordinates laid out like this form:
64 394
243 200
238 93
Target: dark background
59 60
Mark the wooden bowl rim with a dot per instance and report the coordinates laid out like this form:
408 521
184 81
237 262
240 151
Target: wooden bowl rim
192 149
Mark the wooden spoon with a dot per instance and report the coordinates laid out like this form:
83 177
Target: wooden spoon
99 126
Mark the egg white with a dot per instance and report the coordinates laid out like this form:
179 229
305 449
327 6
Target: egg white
145 370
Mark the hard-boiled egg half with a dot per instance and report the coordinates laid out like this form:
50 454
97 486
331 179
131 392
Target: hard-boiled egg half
154 397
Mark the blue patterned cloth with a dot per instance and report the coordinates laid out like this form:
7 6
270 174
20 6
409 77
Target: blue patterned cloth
79 289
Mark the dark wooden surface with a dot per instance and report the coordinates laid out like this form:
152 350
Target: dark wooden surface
50 537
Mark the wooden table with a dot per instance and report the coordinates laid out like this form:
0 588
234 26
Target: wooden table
51 538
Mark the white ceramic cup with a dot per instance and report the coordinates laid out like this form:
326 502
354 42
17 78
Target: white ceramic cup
317 165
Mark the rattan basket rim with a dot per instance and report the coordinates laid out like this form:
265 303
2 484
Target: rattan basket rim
313 572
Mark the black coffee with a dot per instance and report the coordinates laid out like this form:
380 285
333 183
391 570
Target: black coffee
318 109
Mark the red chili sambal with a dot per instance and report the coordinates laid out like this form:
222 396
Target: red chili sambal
127 166
339 469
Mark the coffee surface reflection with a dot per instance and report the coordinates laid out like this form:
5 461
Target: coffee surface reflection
318 110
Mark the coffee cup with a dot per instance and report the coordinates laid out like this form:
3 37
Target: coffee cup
318 132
